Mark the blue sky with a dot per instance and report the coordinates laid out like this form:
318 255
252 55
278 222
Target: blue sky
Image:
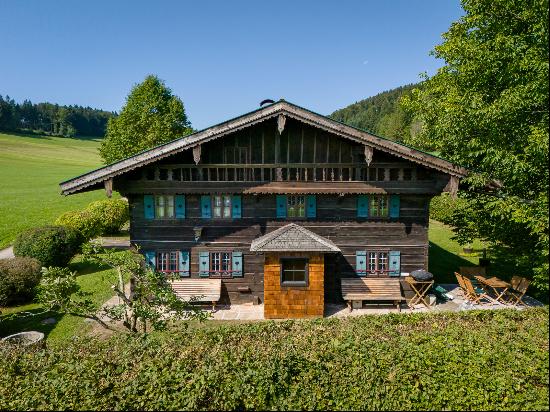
221 57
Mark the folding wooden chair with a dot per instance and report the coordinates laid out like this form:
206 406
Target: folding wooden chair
477 295
517 291
463 288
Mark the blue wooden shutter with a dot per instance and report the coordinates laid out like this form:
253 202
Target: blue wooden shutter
205 207
204 264
236 207
184 263
281 206
180 206
394 205
150 260
311 206
149 206
362 206
361 262
237 264
395 263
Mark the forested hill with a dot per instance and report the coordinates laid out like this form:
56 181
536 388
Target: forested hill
52 119
380 114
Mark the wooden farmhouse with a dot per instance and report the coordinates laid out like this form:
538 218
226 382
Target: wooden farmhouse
280 204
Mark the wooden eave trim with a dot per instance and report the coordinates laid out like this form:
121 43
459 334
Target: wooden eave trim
288 109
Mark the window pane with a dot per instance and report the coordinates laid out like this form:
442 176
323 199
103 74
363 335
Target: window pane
372 262
383 201
374 212
294 270
382 261
215 257
226 261
169 206
217 211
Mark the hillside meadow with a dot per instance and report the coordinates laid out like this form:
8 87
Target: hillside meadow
31 168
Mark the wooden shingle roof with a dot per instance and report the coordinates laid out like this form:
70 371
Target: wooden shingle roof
293 238
278 109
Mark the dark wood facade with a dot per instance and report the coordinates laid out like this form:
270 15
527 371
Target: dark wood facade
278 156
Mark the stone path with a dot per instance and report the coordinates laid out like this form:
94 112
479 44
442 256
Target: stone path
7 253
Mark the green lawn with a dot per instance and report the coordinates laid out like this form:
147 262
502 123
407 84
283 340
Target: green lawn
31 168
92 278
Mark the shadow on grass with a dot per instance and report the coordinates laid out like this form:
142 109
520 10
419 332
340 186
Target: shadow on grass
86 268
28 320
443 264
37 135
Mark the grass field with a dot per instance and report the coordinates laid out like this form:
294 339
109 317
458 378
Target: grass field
31 168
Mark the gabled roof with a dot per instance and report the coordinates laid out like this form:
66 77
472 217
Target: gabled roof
274 110
292 238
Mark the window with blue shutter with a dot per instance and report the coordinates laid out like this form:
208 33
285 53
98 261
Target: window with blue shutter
362 206
204 264
180 206
395 263
184 263
394 206
361 262
149 206
150 258
237 264
311 206
206 213
281 206
236 207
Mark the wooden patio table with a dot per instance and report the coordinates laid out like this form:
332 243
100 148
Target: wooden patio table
420 289
495 283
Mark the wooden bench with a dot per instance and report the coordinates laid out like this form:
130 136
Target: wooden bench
372 289
200 290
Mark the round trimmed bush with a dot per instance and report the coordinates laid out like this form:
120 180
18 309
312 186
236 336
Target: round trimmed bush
18 278
50 245
99 218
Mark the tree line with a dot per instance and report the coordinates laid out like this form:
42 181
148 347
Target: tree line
52 119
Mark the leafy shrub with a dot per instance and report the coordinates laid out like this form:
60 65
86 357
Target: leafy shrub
443 207
18 278
50 245
476 360
98 218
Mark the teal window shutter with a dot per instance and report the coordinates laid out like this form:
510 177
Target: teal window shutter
149 206
180 206
311 206
237 264
184 263
362 206
281 206
361 262
394 205
206 213
395 263
150 260
236 207
204 264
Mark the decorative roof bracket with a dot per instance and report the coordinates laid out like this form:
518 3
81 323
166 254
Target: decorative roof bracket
452 186
281 120
108 187
369 151
197 154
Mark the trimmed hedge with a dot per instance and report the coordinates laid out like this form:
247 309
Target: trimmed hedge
98 218
18 279
50 245
477 360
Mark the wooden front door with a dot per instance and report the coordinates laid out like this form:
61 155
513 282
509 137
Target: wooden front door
287 294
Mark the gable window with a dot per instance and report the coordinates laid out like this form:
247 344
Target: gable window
379 206
378 262
168 262
296 206
294 272
164 206
221 206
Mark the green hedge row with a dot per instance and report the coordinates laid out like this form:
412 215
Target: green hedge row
478 360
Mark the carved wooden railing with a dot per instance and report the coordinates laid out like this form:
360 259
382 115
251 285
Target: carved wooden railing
297 172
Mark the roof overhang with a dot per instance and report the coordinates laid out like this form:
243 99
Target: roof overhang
280 108
293 238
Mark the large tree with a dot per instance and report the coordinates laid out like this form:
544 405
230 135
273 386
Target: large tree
487 109
151 116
